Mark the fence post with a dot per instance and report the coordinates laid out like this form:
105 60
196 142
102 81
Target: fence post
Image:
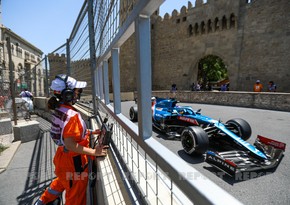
144 84
92 50
46 78
68 67
116 80
35 82
11 76
106 82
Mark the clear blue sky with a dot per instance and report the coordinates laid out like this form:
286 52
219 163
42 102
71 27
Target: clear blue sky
48 23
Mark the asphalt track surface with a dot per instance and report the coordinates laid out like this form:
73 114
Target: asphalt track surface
255 188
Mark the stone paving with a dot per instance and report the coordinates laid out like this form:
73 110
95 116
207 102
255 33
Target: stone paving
30 169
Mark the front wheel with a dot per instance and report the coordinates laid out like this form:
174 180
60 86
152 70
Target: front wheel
194 140
240 127
133 113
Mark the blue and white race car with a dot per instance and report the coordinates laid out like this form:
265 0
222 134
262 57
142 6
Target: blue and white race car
224 144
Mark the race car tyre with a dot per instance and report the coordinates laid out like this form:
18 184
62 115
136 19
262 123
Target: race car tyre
194 140
240 127
133 113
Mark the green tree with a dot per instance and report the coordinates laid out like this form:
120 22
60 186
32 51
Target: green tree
211 68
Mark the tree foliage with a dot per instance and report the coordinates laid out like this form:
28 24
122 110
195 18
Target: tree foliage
212 68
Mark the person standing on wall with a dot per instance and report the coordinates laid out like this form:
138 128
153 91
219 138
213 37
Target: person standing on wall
197 86
173 91
272 86
192 87
258 87
224 87
69 132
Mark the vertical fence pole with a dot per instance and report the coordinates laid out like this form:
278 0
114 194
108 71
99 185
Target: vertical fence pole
11 76
35 82
46 78
68 67
106 82
144 84
116 81
100 77
92 49
93 72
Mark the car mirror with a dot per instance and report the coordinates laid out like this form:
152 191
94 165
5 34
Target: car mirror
198 111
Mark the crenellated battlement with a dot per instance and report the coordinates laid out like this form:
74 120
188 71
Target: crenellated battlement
175 13
209 7
55 57
204 18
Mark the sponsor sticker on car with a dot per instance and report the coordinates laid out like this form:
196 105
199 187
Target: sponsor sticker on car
187 119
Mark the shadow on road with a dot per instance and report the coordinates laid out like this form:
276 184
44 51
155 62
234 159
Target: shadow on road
41 169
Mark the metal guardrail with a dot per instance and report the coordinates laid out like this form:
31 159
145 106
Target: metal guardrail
158 175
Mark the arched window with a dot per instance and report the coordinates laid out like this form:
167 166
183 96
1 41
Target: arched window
196 29
209 26
190 30
232 21
12 50
216 24
224 23
202 27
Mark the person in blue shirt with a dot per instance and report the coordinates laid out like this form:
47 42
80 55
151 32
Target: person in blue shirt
271 86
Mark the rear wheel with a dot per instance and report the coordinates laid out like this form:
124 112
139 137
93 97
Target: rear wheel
133 113
240 127
194 140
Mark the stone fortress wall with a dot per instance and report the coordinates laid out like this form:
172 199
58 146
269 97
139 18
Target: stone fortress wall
80 70
252 39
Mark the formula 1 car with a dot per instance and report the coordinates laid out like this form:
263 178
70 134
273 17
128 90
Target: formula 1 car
224 144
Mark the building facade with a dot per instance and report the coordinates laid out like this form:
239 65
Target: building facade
27 69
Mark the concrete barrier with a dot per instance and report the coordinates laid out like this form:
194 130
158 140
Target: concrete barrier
263 100
125 96
40 103
26 131
5 126
6 130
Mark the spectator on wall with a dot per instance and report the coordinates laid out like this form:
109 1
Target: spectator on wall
258 87
173 90
197 87
192 87
272 86
224 87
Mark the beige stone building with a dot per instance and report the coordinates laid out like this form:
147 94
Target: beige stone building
27 69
